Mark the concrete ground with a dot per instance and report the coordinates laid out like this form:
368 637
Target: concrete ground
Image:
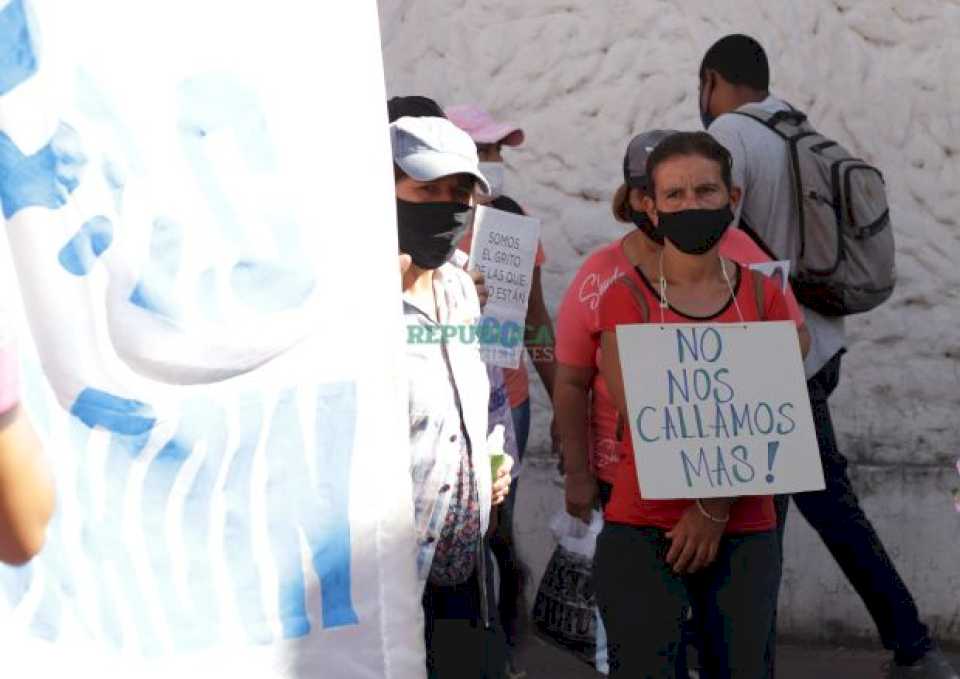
543 661
541 496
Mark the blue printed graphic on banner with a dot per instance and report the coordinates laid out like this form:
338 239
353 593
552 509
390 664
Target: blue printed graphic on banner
317 507
313 503
125 416
94 103
44 179
218 104
203 422
154 292
270 287
17 59
81 252
130 424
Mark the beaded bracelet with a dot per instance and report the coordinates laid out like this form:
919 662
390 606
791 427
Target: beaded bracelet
711 516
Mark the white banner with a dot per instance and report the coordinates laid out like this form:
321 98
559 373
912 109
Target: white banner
718 410
504 250
198 198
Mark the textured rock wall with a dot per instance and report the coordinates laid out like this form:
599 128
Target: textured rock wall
582 76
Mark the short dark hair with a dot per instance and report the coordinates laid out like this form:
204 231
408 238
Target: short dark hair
620 205
690 144
508 204
413 106
740 60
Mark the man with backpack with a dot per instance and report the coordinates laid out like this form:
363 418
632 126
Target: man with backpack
806 200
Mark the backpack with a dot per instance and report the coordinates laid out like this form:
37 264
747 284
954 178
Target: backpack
844 263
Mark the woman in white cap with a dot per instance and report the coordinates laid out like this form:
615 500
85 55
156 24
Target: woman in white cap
436 172
499 413
491 136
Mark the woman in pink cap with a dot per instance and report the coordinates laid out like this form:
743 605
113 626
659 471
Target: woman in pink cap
491 136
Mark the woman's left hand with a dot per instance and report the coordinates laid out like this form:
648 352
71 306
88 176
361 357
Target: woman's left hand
501 484
481 284
696 538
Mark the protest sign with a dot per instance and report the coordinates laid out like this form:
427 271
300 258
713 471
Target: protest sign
504 249
718 410
777 270
233 487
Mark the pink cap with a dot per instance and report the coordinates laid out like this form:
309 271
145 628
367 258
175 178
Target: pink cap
481 126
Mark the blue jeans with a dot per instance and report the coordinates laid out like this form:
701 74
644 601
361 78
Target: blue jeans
521 426
836 515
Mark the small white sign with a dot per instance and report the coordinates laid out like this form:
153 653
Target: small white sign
718 410
779 271
504 250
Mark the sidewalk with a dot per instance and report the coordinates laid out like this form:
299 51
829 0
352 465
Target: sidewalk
543 661
541 495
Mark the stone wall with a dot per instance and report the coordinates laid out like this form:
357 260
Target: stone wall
582 76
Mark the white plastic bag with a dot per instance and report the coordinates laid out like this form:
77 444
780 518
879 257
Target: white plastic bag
576 536
564 610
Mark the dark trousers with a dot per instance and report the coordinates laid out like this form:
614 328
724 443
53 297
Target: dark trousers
644 604
510 600
836 515
459 644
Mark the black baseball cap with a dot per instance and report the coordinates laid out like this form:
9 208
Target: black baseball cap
635 160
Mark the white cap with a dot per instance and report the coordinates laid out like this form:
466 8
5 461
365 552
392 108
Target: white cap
430 148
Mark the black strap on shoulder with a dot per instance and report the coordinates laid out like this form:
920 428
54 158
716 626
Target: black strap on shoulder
793 116
766 122
755 237
637 294
641 301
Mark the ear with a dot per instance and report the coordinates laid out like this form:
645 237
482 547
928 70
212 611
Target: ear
735 194
635 198
707 80
650 207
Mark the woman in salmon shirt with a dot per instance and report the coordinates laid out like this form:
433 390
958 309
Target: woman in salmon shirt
664 557
586 417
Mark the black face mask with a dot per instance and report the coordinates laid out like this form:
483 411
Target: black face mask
643 223
694 232
429 232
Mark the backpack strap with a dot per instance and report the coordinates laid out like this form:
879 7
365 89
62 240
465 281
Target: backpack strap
772 120
799 120
637 294
744 226
759 282
641 301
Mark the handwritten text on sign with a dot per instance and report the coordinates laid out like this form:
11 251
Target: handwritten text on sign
504 250
718 410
